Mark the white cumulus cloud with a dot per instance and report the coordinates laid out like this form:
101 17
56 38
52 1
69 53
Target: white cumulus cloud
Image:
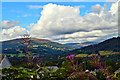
63 23
12 33
5 24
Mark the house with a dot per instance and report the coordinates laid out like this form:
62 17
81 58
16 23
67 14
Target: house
52 67
49 68
4 62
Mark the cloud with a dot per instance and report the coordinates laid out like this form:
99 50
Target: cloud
97 8
26 15
64 24
114 8
56 19
31 25
8 24
12 33
95 35
35 6
112 0
81 6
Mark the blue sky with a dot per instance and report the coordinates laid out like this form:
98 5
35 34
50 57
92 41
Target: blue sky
20 11
57 0
64 22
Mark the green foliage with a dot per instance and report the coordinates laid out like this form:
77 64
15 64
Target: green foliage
20 55
100 75
110 69
80 77
113 64
12 73
89 66
44 73
59 73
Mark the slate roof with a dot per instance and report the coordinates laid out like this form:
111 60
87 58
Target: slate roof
52 67
4 62
1 58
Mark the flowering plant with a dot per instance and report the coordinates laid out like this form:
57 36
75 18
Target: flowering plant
101 66
77 67
70 56
72 59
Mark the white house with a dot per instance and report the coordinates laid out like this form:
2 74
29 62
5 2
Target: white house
4 62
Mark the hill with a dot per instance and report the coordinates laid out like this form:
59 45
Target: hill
40 47
107 45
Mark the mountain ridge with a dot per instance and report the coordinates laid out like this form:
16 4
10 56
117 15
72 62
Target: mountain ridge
80 45
40 47
19 39
111 44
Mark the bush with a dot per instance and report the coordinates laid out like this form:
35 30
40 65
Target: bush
100 75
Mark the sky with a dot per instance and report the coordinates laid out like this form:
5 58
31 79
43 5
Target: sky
59 0
63 22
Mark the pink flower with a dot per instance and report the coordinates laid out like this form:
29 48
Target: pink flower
68 57
71 56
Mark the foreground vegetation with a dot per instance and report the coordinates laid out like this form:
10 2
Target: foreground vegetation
69 68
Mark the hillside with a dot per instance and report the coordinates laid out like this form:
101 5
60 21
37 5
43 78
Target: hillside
107 45
51 50
40 47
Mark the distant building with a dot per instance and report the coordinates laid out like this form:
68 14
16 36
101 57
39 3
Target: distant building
4 62
52 67
49 68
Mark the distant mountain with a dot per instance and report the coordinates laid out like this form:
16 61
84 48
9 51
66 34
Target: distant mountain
36 43
107 45
41 47
80 45
90 43
75 45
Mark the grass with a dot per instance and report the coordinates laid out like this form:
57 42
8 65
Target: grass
102 53
81 55
21 55
105 53
35 45
11 55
